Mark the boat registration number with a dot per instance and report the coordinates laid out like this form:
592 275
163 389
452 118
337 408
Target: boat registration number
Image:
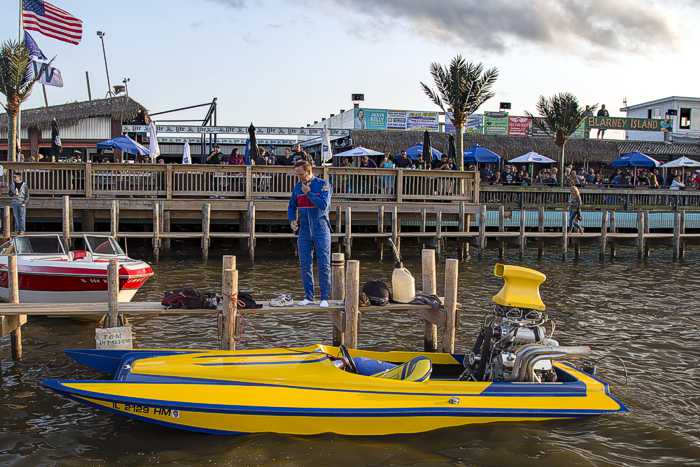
146 410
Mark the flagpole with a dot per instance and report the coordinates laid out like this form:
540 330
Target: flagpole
19 109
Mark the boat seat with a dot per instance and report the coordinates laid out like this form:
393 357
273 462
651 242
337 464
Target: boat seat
417 369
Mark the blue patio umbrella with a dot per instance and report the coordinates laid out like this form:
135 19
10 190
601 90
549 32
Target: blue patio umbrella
480 155
415 151
635 159
125 145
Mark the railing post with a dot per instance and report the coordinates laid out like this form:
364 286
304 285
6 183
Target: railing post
451 276
88 179
429 286
248 182
168 181
229 293
15 322
399 185
337 293
352 302
113 292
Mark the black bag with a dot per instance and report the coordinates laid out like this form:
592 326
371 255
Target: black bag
246 300
190 299
377 292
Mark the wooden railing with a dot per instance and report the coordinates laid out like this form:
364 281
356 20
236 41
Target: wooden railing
237 182
592 197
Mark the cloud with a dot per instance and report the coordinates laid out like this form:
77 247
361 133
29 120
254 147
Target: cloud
237 4
497 25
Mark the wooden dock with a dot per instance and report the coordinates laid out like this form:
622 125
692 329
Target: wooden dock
344 310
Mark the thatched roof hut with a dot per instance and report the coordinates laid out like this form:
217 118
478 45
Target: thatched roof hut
577 150
120 108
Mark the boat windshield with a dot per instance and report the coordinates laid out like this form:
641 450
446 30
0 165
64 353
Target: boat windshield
103 245
49 245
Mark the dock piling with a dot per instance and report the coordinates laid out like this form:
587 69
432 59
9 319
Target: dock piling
429 286
67 219
6 223
540 228
206 226
229 291
113 292
482 229
613 229
348 231
352 302
423 224
251 231
451 277
380 231
156 231
523 239
337 293
339 224
15 321
114 218
502 228
438 233
565 234
395 228
604 234
641 239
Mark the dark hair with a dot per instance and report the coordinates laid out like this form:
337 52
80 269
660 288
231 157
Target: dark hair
306 164
234 151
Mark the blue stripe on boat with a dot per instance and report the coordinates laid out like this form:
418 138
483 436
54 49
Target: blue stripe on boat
58 386
257 355
569 389
288 362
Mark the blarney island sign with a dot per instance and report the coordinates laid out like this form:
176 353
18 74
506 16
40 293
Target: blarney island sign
621 123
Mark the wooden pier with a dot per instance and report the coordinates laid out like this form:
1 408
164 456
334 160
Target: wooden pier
344 310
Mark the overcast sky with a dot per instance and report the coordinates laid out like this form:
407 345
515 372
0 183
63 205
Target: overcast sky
279 62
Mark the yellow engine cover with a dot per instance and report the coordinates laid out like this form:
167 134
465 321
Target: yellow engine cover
521 287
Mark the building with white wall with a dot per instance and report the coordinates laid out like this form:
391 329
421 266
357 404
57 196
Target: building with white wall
685 123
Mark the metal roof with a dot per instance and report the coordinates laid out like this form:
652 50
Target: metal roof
659 101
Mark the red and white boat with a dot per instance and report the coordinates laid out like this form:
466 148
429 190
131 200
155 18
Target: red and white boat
51 273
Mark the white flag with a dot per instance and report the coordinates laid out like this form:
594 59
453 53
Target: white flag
186 157
326 151
153 141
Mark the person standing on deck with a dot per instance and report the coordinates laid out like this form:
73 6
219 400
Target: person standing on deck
575 204
311 197
19 195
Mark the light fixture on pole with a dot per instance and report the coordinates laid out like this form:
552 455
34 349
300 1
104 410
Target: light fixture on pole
126 85
101 35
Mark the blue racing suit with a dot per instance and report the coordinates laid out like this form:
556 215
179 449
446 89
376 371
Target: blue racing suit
314 234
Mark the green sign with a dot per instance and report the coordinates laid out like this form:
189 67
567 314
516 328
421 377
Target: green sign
582 131
495 123
621 123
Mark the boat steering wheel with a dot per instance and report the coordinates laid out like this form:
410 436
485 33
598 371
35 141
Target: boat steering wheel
347 359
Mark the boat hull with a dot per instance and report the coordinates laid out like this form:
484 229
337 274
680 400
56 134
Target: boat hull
252 392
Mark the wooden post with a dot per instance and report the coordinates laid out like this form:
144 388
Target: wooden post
482 229
438 232
251 231
451 276
248 182
429 286
380 230
339 223
206 226
169 181
565 234
399 186
348 231
7 223
156 231
540 228
165 216
88 179
613 229
229 293
604 235
640 234
15 321
352 302
114 219
461 227
113 293
423 224
67 219
682 229
676 235
523 239
395 228
337 293
501 229
645 214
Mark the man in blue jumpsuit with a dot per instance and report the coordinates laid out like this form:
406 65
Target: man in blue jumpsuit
311 197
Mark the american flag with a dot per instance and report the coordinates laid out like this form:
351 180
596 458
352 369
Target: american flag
51 21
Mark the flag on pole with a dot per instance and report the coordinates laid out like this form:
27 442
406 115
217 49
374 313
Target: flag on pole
51 21
186 156
153 141
40 65
326 151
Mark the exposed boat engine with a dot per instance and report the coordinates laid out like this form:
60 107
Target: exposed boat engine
515 342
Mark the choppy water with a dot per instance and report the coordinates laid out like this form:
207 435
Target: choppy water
648 313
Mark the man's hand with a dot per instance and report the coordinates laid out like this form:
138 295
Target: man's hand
294 225
306 187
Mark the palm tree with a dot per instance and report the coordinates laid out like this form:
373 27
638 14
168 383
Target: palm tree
15 85
462 87
560 116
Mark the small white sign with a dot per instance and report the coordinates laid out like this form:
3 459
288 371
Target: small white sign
114 338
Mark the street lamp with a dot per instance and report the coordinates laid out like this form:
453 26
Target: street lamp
101 35
126 85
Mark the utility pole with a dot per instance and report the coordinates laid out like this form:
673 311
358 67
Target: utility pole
101 35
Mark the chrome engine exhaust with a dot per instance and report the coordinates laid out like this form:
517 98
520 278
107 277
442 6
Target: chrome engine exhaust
529 355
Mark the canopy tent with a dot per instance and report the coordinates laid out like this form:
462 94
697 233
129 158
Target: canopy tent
125 145
531 158
635 159
680 163
480 155
358 152
417 149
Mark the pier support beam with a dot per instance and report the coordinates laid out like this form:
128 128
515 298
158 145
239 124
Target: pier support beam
206 226
337 293
523 239
6 223
156 231
339 225
14 322
641 238
114 219
429 286
67 220
540 228
482 230
251 231
676 235
565 234
113 293
613 229
165 216
348 231
352 303
395 226
451 280
502 228
438 233
604 235
380 231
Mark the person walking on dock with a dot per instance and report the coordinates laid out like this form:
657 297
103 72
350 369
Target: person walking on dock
311 197
19 195
575 204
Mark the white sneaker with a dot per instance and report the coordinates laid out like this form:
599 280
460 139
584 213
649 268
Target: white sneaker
305 302
323 304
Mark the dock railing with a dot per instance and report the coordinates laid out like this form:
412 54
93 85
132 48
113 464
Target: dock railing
243 182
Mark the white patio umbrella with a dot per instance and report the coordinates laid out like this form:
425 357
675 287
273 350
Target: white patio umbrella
153 141
186 157
680 163
358 152
531 158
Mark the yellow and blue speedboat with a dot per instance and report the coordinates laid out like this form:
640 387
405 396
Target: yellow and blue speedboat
321 389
